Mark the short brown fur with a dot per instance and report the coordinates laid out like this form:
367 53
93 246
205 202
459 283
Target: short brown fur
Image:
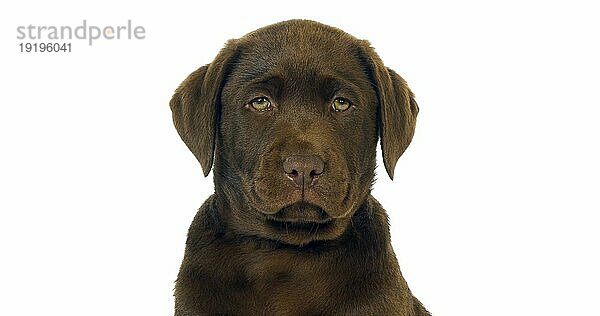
262 244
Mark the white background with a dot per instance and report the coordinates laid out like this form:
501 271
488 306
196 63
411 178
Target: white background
494 210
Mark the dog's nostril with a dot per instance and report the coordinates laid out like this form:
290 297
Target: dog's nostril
303 170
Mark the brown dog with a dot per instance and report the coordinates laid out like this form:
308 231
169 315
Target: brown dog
292 113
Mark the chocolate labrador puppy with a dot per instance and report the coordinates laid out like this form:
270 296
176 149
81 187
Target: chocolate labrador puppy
290 116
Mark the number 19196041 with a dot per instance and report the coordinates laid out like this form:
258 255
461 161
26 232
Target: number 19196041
45 47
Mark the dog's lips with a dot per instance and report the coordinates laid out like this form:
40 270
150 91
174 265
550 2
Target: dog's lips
293 204
301 222
301 213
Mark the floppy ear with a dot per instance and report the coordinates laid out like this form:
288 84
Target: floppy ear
196 106
397 113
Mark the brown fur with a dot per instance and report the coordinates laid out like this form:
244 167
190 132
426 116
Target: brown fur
260 244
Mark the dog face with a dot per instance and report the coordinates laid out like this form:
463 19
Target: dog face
292 113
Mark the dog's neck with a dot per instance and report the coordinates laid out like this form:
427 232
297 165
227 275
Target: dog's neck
256 268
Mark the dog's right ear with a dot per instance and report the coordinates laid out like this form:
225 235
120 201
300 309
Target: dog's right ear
196 105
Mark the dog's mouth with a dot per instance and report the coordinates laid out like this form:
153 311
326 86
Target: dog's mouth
302 223
300 215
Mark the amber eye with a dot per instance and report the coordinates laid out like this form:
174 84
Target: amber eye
260 104
341 104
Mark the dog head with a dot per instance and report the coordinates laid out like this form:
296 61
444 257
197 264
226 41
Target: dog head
291 115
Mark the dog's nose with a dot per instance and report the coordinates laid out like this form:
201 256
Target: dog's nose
303 170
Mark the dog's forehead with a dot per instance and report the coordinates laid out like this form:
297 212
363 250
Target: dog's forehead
299 62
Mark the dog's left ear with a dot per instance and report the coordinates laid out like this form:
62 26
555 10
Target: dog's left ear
196 105
397 112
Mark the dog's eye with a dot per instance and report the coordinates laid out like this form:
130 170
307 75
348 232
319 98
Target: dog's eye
341 104
260 104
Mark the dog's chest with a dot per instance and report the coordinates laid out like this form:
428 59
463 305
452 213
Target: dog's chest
287 283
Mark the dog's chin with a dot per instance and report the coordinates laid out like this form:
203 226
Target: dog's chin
302 223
